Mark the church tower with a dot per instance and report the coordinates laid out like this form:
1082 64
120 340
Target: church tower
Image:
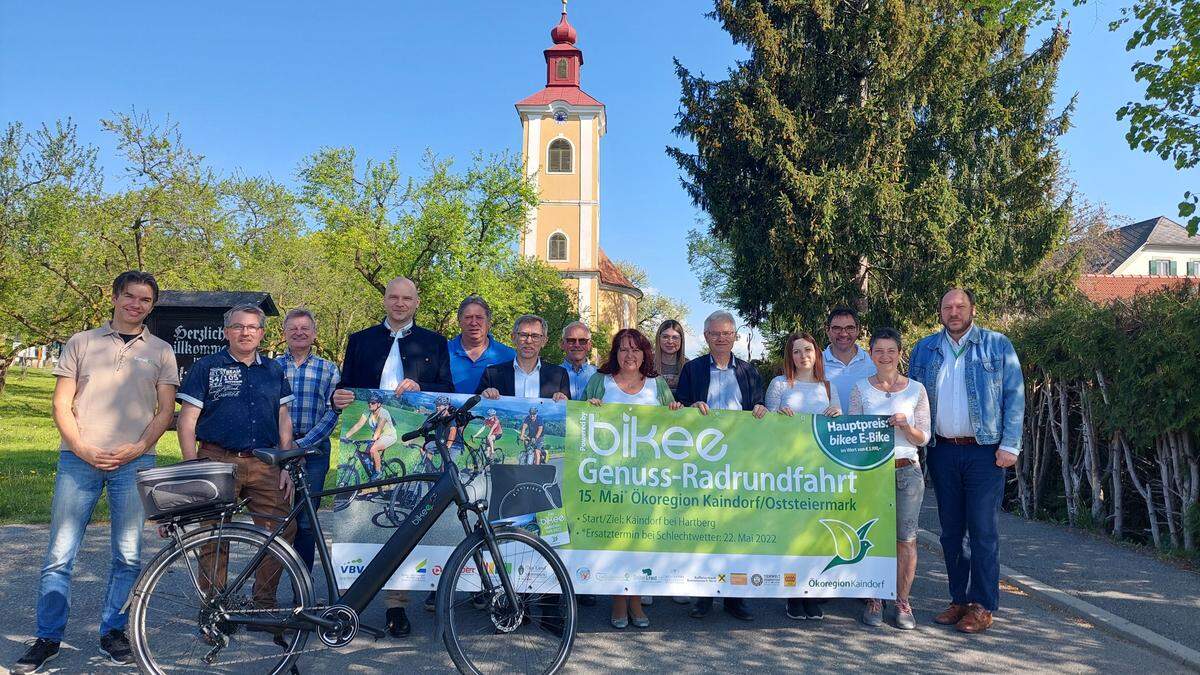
561 128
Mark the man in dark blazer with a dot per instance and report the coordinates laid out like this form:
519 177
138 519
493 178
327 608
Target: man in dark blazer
399 356
536 379
396 354
721 381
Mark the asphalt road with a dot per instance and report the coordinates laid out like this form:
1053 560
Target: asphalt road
1028 635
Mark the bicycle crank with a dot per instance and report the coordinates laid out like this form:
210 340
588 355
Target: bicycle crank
344 628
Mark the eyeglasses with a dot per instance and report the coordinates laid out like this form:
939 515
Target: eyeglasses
243 327
723 335
577 341
530 337
669 338
842 329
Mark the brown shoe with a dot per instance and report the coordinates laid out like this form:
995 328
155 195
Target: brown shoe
951 615
977 620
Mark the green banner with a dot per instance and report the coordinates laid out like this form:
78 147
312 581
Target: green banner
726 504
639 499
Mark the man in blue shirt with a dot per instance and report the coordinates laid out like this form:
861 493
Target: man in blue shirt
313 381
845 362
577 347
474 348
233 402
721 381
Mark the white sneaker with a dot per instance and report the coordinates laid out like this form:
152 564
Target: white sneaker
647 600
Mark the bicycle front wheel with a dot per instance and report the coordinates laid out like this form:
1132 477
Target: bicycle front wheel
347 475
484 632
187 615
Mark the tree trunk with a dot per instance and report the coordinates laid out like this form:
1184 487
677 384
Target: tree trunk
5 363
1146 492
1091 456
1187 473
1164 470
861 280
1118 490
1062 443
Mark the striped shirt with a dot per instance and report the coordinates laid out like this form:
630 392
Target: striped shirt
313 382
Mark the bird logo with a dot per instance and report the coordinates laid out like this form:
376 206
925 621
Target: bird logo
849 545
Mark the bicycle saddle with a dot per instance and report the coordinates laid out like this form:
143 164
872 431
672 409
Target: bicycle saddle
275 456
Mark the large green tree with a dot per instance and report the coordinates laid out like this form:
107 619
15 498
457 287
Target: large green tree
452 232
875 153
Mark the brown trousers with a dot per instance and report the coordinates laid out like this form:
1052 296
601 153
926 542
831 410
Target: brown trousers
259 483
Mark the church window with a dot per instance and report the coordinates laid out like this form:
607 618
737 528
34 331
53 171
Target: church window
558 247
560 156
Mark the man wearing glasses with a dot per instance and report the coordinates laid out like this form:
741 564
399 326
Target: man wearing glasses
233 402
577 346
526 376
845 362
719 380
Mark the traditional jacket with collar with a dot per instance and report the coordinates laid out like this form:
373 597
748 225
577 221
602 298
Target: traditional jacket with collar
422 351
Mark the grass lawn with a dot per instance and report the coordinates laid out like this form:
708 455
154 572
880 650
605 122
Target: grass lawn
29 449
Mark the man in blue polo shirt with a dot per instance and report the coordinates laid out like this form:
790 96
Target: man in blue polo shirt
475 348
233 402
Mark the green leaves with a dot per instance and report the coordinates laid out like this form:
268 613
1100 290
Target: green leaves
331 245
873 154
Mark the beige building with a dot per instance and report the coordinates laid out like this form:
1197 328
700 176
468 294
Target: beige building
1144 257
561 128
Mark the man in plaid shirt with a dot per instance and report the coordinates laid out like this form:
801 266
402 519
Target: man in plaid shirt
313 380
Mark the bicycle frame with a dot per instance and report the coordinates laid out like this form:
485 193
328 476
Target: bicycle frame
447 488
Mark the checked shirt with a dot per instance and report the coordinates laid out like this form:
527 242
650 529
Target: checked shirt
313 382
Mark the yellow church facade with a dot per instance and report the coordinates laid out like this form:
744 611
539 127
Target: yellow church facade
561 130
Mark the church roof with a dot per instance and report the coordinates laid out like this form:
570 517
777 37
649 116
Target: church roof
568 95
611 275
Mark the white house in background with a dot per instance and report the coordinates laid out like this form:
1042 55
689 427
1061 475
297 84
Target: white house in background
1156 247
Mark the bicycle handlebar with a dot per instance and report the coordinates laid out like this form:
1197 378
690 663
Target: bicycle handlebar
435 420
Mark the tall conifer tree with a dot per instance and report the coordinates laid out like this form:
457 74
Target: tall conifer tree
875 152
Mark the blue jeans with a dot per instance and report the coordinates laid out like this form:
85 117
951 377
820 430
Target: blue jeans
969 488
77 488
315 468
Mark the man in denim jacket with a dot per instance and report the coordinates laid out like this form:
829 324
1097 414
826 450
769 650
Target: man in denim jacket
977 400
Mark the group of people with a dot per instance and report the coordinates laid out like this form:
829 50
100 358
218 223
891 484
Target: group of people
962 400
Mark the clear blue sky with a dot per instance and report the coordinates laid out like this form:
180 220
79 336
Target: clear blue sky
257 86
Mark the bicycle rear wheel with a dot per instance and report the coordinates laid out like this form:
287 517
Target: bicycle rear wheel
536 635
180 609
394 468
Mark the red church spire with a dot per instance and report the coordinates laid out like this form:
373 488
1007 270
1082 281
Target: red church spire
563 61
564 58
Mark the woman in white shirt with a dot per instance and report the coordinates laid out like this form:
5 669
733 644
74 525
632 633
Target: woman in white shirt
887 392
628 376
803 389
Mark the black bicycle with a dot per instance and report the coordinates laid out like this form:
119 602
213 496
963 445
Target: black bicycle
232 597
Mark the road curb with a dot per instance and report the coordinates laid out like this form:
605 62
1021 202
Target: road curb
1101 618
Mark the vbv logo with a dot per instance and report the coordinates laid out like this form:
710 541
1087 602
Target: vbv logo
355 566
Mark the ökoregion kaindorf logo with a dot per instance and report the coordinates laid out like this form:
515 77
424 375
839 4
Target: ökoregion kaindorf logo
849 545
859 442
